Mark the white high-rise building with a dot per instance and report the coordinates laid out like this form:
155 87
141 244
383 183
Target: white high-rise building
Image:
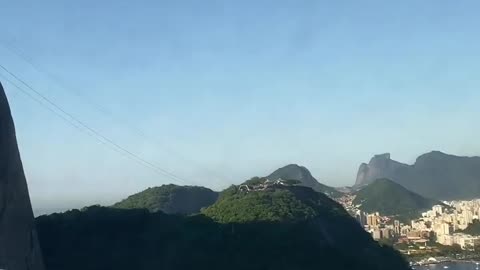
467 217
438 209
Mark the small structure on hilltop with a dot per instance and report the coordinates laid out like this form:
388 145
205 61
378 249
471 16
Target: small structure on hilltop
268 183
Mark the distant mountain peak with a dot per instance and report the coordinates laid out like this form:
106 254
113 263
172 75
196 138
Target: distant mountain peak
297 167
434 174
382 156
302 174
294 165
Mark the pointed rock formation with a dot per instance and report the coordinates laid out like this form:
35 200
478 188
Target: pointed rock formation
19 248
380 166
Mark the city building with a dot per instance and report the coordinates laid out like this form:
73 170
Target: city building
372 220
377 234
397 228
437 209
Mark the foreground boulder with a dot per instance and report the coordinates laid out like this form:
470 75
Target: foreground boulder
19 249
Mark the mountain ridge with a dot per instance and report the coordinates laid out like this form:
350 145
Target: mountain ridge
434 174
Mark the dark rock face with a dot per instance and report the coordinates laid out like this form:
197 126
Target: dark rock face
434 175
380 166
19 249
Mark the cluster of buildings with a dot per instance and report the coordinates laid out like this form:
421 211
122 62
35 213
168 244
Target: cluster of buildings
446 223
264 185
380 227
443 224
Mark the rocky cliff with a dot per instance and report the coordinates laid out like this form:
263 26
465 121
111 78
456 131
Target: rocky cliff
433 175
19 249
380 166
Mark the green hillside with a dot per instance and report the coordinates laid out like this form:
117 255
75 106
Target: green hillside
291 203
171 199
391 199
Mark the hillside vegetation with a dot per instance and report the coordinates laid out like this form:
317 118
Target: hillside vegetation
391 199
274 204
171 199
106 238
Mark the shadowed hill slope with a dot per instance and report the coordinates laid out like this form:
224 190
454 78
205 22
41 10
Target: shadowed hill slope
389 198
107 238
171 199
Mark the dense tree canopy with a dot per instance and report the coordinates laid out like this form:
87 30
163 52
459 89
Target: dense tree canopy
273 204
106 238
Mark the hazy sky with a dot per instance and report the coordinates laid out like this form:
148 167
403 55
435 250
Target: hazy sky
225 90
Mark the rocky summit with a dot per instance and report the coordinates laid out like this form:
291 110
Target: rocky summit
19 248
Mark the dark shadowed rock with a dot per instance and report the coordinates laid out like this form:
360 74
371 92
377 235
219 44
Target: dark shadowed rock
380 166
19 249
434 175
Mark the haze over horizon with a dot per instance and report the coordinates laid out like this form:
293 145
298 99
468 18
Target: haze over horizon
224 92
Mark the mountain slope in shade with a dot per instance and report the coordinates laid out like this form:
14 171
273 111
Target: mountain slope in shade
171 199
19 249
433 175
107 238
302 174
391 199
473 228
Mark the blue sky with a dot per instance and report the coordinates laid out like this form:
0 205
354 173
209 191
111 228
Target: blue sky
225 90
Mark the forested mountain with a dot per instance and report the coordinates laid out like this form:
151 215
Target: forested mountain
391 199
171 199
306 230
